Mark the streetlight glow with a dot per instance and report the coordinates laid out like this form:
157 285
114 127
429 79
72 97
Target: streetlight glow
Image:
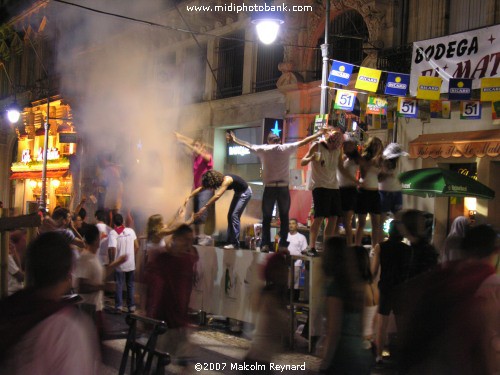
13 115
267 25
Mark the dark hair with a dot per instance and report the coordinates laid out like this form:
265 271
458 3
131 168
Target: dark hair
363 261
100 215
414 222
373 147
182 230
49 260
91 234
82 213
479 241
275 263
394 232
212 179
117 219
334 255
293 219
273 138
60 213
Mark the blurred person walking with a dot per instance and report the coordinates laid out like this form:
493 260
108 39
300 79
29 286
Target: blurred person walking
123 241
452 247
325 157
388 261
40 331
452 320
347 277
170 282
202 163
275 159
216 181
297 244
104 229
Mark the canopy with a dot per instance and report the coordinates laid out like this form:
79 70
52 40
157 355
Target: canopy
437 182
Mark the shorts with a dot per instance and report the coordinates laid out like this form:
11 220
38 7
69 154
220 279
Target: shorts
391 201
326 202
368 202
386 303
348 197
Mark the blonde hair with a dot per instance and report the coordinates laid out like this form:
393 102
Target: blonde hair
154 226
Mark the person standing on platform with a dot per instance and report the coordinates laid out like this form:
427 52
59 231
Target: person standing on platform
348 185
368 200
275 159
123 241
202 162
214 180
325 157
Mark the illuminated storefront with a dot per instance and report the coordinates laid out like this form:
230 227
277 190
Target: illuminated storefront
26 171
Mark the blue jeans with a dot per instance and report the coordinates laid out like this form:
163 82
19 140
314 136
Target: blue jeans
236 208
129 278
272 195
200 200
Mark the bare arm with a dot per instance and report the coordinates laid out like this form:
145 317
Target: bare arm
225 184
111 253
375 267
78 241
310 155
306 140
240 142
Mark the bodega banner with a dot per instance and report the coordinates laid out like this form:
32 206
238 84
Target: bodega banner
473 54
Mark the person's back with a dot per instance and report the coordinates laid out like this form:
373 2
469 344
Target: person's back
452 248
40 333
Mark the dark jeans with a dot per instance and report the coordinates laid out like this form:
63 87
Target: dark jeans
236 208
129 278
272 195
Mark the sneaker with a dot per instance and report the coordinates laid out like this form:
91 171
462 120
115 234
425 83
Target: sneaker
205 241
131 309
311 252
231 247
264 249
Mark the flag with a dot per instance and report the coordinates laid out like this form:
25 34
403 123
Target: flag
470 110
460 89
345 100
440 109
320 122
376 105
429 87
407 107
368 79
397 84
340 72
490 89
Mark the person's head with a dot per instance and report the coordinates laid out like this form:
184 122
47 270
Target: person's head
273 139
373 148
390 164
459 226
276 270
293 226
77 221
182 238
82 213
117 220
198 144
212 179
395 227
92 238
350 148
49 261
363 263
334 140
334 255
480 241
154 225
61 216
101 216
1 204
413 224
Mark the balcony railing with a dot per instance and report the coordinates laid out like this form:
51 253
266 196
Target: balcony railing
397 59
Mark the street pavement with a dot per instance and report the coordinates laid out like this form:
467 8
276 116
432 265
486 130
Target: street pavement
215 349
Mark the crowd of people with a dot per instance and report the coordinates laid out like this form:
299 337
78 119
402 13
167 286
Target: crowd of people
445 304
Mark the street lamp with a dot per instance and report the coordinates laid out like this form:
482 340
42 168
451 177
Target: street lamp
13 112
267 25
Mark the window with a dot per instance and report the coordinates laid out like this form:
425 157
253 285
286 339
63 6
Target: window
268 58
194 67
230 66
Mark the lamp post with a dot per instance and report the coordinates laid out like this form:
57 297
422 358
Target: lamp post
268 23
46 127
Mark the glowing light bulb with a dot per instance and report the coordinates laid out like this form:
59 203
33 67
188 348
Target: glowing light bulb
267 30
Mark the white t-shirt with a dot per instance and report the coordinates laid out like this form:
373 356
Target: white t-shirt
89 267
103 246
124 244
275 161
298 243
351 168
324 170
64 343
13 285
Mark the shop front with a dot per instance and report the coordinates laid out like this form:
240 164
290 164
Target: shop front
474 154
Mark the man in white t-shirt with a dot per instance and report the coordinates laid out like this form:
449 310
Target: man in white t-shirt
123 241
275 159
104 230
297 244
